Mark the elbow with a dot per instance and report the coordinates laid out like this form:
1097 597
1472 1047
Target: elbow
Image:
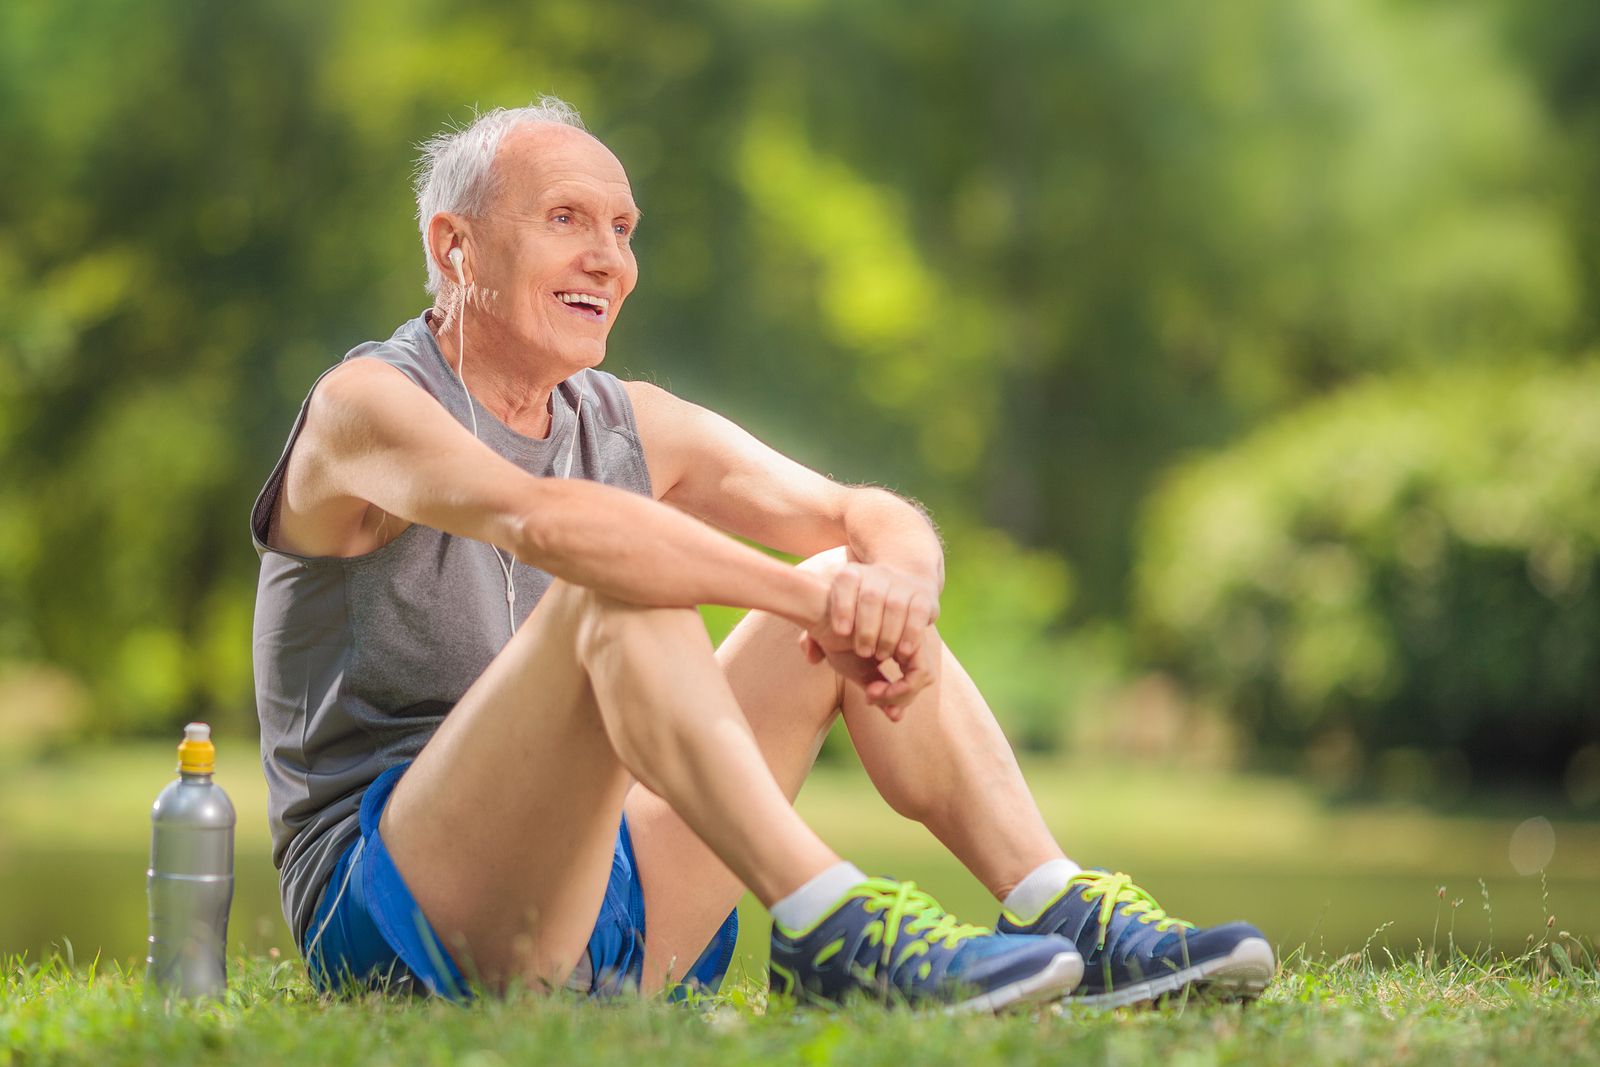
525 536
533 527
557 522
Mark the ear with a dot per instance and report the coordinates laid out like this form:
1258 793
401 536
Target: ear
447 232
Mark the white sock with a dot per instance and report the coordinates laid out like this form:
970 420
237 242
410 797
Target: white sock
1027 902
802 908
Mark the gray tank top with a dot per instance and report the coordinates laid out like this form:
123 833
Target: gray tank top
357 661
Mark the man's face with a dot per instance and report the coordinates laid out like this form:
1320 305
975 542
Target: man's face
554 244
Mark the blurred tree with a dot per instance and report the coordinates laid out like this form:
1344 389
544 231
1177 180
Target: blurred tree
1558 41
1163 223
1407 564
1010 259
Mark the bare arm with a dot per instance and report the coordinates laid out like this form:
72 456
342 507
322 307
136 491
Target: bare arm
716 471
373 438
881 605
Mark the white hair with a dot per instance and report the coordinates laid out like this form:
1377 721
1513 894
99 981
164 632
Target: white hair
456 170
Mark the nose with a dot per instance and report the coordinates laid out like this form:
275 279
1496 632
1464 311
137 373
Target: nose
605 254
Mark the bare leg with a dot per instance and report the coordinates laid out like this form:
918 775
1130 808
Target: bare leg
945 764
687 891
503 827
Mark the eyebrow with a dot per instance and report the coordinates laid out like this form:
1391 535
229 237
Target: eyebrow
560 194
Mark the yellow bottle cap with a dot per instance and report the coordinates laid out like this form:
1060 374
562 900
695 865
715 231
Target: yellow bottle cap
197 755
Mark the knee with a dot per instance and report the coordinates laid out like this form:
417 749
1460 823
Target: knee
826 563
605 625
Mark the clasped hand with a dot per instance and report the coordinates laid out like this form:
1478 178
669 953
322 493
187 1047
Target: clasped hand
879 616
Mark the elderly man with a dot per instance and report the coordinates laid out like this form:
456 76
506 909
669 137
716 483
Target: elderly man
501 748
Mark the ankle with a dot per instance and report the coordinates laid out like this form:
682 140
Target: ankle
1039 889
802 908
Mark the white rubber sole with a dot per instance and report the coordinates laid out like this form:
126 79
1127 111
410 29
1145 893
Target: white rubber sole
1057 979
1241 974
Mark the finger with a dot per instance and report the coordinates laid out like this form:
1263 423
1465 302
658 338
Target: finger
910 687
919 616
842 599
900 694
893 698
918 671
911 684
869 612
813 651
896 606
897 689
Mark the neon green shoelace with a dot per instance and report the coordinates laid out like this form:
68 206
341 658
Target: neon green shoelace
1116 892
928 921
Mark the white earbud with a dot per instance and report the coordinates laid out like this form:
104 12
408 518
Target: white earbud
455 261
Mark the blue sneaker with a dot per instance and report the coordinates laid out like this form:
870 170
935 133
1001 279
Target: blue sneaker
895 944
1136 953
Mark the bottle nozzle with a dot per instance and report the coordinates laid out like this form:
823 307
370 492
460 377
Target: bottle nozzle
197 755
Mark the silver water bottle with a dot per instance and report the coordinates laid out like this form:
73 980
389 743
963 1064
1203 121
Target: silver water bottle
191 876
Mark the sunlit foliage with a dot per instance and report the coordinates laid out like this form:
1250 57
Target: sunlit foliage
1013 259
1411 563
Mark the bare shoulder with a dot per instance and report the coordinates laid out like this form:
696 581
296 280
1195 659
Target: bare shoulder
665 412
653 406
654 412
315 514
355 389
668 427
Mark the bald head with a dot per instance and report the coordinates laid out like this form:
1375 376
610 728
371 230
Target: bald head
535 153
457 170
544 247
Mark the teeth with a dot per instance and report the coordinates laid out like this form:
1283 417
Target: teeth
584 298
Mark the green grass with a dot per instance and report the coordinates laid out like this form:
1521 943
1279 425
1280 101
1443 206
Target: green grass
74 840
1354 883
1540 1008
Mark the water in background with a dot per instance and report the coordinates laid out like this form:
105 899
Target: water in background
1303 882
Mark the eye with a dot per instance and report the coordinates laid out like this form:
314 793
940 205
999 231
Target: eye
561 217
622 229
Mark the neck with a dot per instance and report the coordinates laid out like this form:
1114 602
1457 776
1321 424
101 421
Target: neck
500 375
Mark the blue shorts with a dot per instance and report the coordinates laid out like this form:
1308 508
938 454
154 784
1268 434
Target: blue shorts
367 930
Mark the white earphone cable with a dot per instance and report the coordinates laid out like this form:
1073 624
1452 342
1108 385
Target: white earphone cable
504 559
472 414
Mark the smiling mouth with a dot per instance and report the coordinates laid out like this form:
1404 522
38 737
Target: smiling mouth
595 307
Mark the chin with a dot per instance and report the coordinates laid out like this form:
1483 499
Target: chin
591 355
573 354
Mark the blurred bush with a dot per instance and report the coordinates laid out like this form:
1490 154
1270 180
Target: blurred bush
1406 567
1011 259
1002 614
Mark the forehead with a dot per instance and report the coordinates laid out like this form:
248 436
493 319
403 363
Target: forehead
539 160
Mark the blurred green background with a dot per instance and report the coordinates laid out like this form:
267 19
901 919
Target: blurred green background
1247 354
